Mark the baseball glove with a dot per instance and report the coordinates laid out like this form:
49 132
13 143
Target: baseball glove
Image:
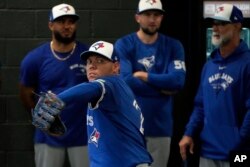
45 115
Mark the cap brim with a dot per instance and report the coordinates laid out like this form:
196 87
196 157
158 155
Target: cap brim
76 17
85 55
162 11
217 18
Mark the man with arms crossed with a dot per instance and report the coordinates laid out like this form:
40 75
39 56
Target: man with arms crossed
152 64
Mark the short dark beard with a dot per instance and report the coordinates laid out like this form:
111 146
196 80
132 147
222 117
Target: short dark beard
64 40
146 31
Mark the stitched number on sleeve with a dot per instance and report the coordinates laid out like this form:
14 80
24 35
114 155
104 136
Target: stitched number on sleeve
178 65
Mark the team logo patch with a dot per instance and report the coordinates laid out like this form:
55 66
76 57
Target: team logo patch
219 9
147 62
94 137
65 9
98 45
151 2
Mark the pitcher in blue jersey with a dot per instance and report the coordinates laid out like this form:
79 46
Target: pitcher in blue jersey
56 66
221 115
114 119
152 64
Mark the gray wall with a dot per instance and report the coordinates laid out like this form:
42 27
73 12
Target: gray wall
24 25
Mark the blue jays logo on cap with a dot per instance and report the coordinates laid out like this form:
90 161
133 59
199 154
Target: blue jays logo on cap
228 13
98 45
101 48
219 9
151 1
62 10
145 5
65 9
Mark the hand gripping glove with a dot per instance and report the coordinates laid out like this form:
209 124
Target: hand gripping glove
45 115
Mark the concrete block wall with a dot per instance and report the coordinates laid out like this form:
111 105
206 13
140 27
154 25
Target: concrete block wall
24 25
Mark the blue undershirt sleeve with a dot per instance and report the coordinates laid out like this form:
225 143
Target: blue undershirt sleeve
172 81
174 78
84 92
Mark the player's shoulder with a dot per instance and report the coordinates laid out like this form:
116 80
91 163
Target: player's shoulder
169 39
111 80
245 51
40 48
171 43
127 39
38 52
82 46
245 58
